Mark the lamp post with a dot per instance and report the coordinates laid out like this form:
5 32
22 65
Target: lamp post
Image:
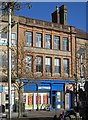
9 60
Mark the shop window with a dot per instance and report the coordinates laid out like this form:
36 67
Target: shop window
45 99
30 99
7 97
7 106
38 99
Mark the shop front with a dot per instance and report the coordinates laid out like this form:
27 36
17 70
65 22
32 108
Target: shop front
44 93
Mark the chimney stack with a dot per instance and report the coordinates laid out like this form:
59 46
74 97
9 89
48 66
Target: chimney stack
55 16
60 15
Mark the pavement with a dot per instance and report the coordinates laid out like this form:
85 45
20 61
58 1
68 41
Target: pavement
39 115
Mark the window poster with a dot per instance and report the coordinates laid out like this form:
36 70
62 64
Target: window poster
38 99
45 99
30 99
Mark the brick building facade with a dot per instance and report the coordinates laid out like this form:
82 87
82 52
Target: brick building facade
49 49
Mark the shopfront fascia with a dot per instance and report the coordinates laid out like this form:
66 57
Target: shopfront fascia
46 92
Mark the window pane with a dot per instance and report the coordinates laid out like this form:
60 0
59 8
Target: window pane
57 65
3 41
38 64
48 41
3 35
38 40
28 38
13 36
65 44
48 65
66 66
3 38
13 39
56 42
29 63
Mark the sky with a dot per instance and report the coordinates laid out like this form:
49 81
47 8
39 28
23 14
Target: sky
76 16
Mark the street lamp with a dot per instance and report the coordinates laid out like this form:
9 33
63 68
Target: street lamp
9 59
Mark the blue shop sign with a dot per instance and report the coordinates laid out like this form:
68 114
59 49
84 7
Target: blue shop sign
58 87
44 87
1 89
29 87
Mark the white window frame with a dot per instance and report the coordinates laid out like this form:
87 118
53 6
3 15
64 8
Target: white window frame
66 66
57 64
29 38
39 63
14 40
38 39
48 63
65 43
57 46
3 41
48 41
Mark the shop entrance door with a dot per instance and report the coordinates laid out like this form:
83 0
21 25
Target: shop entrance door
57 100
53 102
54 96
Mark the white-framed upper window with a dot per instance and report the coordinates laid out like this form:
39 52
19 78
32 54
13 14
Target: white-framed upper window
29 38
65 44
57 42
48 41
38 40
39 64
3 38
48 64
57 65
4 35
66 65
13 39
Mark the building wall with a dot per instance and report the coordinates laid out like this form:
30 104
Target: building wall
4 62
35 51
56 98
82 43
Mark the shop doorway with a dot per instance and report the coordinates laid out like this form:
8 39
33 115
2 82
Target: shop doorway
57 100
54 102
